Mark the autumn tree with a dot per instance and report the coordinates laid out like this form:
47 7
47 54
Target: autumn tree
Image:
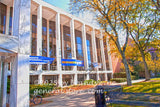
113 17
154 61
144 27
156 3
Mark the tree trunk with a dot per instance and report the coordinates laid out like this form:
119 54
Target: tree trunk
147 75
128 76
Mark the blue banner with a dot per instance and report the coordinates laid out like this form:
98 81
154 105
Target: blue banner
72 62
40 60
97 65
69 62
80 63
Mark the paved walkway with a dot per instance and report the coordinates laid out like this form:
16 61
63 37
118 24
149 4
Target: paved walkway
80 99
125 83
83 99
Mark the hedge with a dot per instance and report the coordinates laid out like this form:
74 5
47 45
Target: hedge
119 75
41 89
118 80
91 81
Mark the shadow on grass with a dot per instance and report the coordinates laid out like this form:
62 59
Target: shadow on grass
144 87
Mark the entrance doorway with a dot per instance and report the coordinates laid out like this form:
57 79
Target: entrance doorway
6 60
68 79
3 81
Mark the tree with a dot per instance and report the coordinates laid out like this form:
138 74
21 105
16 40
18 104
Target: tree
156 3
144 27
113 17
154 61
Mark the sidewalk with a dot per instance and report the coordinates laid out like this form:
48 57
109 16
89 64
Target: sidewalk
125 83
76 100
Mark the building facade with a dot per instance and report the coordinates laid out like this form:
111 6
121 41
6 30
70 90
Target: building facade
36 28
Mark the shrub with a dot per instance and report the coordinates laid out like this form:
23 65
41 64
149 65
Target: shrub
91 81
118 80
41 89
134 77
119 75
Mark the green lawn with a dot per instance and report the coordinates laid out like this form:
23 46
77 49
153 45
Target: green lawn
152 86
121 105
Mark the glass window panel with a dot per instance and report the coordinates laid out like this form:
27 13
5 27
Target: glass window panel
79 48
10 21
3 9
44 41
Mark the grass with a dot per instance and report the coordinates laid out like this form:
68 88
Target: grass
152 86
121 105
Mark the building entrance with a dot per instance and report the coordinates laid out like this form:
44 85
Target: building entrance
3 80
6 60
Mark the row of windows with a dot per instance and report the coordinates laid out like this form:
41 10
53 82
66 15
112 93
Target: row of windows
66 51
52 38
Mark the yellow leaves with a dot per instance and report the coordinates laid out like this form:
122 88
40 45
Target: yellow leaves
131 25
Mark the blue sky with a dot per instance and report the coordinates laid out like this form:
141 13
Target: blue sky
63 4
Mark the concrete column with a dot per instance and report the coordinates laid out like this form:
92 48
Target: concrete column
58 49
95 51
112 75
106 77
109 54
13 81
48 42
85 47
85 50
0 80
102 52
94 48
62 40
40 80
39 34
20 71
98 76
73 44
73 49
75 79
20 81
87 77
7 20
4 84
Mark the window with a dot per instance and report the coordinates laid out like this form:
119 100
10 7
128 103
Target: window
79 48
34 40
89 50
34 35
44 41
3 9
67 46
99 52
52 44
10 21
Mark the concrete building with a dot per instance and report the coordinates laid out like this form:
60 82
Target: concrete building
36 28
